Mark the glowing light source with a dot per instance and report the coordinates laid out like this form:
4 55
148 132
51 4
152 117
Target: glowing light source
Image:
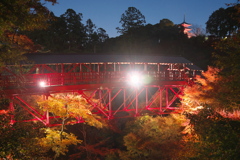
135 79
42 84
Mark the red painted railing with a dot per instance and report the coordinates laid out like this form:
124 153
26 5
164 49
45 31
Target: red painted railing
74 78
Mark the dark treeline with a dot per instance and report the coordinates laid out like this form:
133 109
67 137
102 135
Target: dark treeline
67 34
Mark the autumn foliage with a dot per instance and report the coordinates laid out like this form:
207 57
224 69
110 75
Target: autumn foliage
203 91
57 141
70 107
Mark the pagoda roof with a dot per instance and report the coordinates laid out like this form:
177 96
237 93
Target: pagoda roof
184 24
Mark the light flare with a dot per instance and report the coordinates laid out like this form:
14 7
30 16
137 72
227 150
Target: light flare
42 84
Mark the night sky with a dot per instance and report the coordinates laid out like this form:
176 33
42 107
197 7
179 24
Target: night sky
106 14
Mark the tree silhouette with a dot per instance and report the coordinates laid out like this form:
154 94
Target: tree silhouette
223 22
132 18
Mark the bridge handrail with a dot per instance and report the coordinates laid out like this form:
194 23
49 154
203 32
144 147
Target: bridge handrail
76 78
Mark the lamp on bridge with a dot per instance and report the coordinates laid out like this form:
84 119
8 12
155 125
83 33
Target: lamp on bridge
135 79
42 84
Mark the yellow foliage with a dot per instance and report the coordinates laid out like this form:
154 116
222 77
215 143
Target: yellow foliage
69 106
154 137
57 141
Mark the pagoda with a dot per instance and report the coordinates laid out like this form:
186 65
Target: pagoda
185 28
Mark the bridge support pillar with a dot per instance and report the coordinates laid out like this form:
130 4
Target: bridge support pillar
160 100
11 109
136 107
110 104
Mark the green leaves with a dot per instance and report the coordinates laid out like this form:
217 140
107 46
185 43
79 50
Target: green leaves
223 22
227 58
218 136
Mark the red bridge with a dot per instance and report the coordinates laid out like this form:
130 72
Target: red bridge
124 85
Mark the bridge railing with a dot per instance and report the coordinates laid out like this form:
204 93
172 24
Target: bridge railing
77 78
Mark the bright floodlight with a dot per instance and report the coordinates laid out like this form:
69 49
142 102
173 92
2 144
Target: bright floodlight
135 79
42 84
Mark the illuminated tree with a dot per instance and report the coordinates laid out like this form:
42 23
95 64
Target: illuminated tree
57 141
68 107
203 91
154 138
213 103
207 104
